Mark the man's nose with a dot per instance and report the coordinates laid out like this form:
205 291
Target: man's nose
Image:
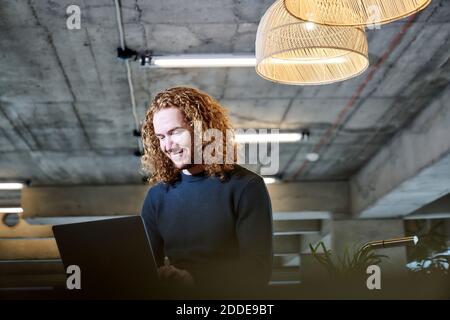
169 145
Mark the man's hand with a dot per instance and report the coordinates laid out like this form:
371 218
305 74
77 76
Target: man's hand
174 275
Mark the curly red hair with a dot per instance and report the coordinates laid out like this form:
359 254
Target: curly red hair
195 106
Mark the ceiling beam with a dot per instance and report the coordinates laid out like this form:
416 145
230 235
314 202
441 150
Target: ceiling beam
439 209
47 205
410 171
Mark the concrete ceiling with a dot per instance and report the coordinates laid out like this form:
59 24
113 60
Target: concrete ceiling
65 113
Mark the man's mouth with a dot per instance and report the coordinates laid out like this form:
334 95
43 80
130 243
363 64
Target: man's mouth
176 154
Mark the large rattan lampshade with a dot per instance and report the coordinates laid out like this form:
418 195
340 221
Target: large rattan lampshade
292 51
353 12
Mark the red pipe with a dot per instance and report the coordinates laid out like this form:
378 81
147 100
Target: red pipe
392 45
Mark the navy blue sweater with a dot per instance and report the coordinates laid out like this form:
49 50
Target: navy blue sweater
219 231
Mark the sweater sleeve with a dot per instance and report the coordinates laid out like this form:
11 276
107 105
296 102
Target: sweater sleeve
254 232
150 217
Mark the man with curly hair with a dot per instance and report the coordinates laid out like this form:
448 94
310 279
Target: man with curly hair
211 219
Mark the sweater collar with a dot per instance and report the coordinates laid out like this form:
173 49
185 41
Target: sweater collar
194 177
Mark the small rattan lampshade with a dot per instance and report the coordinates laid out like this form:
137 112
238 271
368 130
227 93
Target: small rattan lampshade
292 51
353 12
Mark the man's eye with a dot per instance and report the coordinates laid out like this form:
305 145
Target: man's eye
177 131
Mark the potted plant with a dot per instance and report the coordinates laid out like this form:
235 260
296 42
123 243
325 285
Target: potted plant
431 257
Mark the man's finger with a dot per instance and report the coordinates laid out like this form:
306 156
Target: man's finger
167 272
163 271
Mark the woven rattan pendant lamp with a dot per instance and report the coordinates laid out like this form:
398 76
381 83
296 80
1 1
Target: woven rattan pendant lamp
354 12
292 51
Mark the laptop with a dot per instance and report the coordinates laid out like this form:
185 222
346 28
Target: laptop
114 256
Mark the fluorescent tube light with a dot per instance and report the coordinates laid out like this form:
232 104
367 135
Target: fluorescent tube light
268 137
11 210
226 60
269 180
203 61
11 186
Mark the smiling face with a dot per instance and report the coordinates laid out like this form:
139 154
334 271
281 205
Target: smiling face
174 135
